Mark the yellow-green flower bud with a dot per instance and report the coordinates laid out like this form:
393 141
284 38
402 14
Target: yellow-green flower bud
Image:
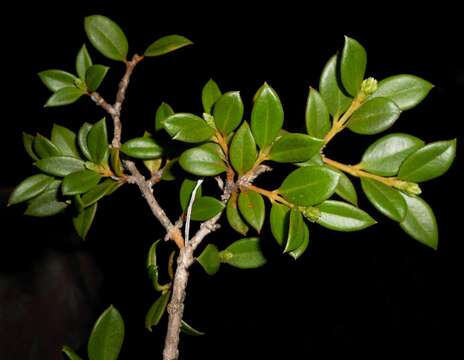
310 213
369 86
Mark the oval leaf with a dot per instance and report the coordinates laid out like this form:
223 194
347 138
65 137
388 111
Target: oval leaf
79 182
346 190
65 140
162 113
107 336
303 246
429 162
97 142
44 148
205 208
243 149
405 90
28 141
420 222
157 310
309 185
83 62
144 148
82 139
252 208
385 156
83 221
267 116
56 80
340 216
279 219
107 37
166 45
60 165
96 193
295 148
46 204
70 353
295 231
94 76
317 115
209 259
203 160
374 116
245 254
188 128
29 188
187 329
386 199
352 65
233 216
228 112
209 95
64 96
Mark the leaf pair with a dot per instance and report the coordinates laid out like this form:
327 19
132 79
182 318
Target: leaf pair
246 208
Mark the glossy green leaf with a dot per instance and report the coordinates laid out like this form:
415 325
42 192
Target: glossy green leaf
96 193
304 244
56 80
70 353
244 253
386 199
142 148
330 89
97 142
420 222
309 185
346 190
80 182
243 149
30 188
83 62
169 170
47 203
82 139
157 310
78 204
83 221
44 148
385 156
279 219
315 160
209 259
188 128
65 140
94 76
60 165
340 216
107 336
162 113
209 95
107 37
267 116
203 160
233 216
205 208
152 267
186 190
295 148
295 231
252 208
228 112
429 162
187 329
353 63
64 96
166 45
374 116
28 141
405 90
317 115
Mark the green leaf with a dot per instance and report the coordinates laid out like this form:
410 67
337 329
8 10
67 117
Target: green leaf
188 128
82 139
244 253
29 188
295 148
315 160
64 96
152 267
429 162
97 142
385 156
44 148
142 148
169 170
107 37
47 203
420 222
346 190
187 329
309 185
295 231
303 246
205 208
317 115
374 116
107 336
185 192
228 112
60 165
70 353
80 182
209 95
385 199
330 88
251 206
94 76
65 141
279 219
203 160
405 90
267 116
233 216
340 216
166 45
162 113
83 221
96 193
83 62
157 310
28 141
209 259
56 80
352 65
243 149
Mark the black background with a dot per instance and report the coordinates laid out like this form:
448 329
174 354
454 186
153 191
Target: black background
369 293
